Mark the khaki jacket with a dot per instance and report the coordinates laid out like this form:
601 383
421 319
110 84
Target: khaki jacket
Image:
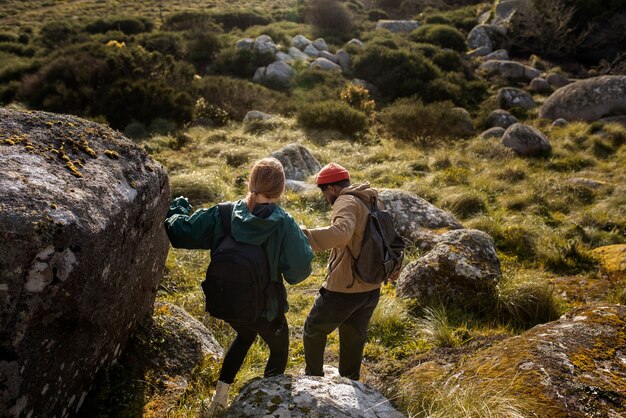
344 238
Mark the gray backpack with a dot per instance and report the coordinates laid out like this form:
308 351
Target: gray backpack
382 251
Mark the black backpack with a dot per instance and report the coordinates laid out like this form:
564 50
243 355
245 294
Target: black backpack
237 280
382 251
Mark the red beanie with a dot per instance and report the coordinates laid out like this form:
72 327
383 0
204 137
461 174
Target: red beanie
331 174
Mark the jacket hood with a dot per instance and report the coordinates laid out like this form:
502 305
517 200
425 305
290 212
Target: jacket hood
250 229
364 191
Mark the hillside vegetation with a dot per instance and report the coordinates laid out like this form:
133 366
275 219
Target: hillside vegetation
169 75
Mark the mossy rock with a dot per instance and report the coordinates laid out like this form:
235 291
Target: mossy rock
571 367
612 258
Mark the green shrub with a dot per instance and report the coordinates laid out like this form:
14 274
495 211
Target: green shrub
14 68
518 241
119 83
9 91
411 120
8 37
135 130
126 25
188 20
375 15
390 322
527 303
240 62
564 256
464 18
166 43
397 73
202 49
17 49
59 33
465 205
442 35
330 19
237 97
437 328
280 32
241 19
332 115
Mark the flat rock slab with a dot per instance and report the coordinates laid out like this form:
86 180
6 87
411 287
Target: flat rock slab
289 396
83 249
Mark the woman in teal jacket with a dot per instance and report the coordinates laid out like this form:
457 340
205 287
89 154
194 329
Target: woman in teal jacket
256 220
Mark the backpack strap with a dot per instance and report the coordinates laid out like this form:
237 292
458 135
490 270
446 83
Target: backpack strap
226 209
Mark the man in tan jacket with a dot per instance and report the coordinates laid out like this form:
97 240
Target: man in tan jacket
344 301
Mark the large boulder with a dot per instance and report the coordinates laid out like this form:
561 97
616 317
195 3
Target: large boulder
572 367
511 70
167 346
298 55
415 218
480 37
300 42
540 85
398 26
462 268
325 65
495 132
320 44
505 10
83 249
588 100
311 51
245 43
277 74
297 161
343 59
310 396
265 45
526 140
510 97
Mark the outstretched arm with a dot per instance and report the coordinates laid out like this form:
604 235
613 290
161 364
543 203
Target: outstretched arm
198 231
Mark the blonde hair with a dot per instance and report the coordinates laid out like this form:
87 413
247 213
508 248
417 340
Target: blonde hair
267 178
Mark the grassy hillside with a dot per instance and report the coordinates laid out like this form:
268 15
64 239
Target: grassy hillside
171 78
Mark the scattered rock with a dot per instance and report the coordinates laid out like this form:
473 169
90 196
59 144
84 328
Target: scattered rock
505 10
297 161
480 37
84 259
501 118
300 42
245 43
330 57
416 219
324 64
557 80
540 85
277 74
281 56
509 69
588 100
298 55
298 186
509 97
255 115
265 45
526 140
398 26
310 396
570 367
320 44
612 258
343 59
356 42
495 132
311 51
462 268
500 54
559 123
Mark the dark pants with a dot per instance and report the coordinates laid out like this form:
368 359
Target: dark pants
278 342
350 312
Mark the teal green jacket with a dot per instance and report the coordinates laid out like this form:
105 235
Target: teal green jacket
288 251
